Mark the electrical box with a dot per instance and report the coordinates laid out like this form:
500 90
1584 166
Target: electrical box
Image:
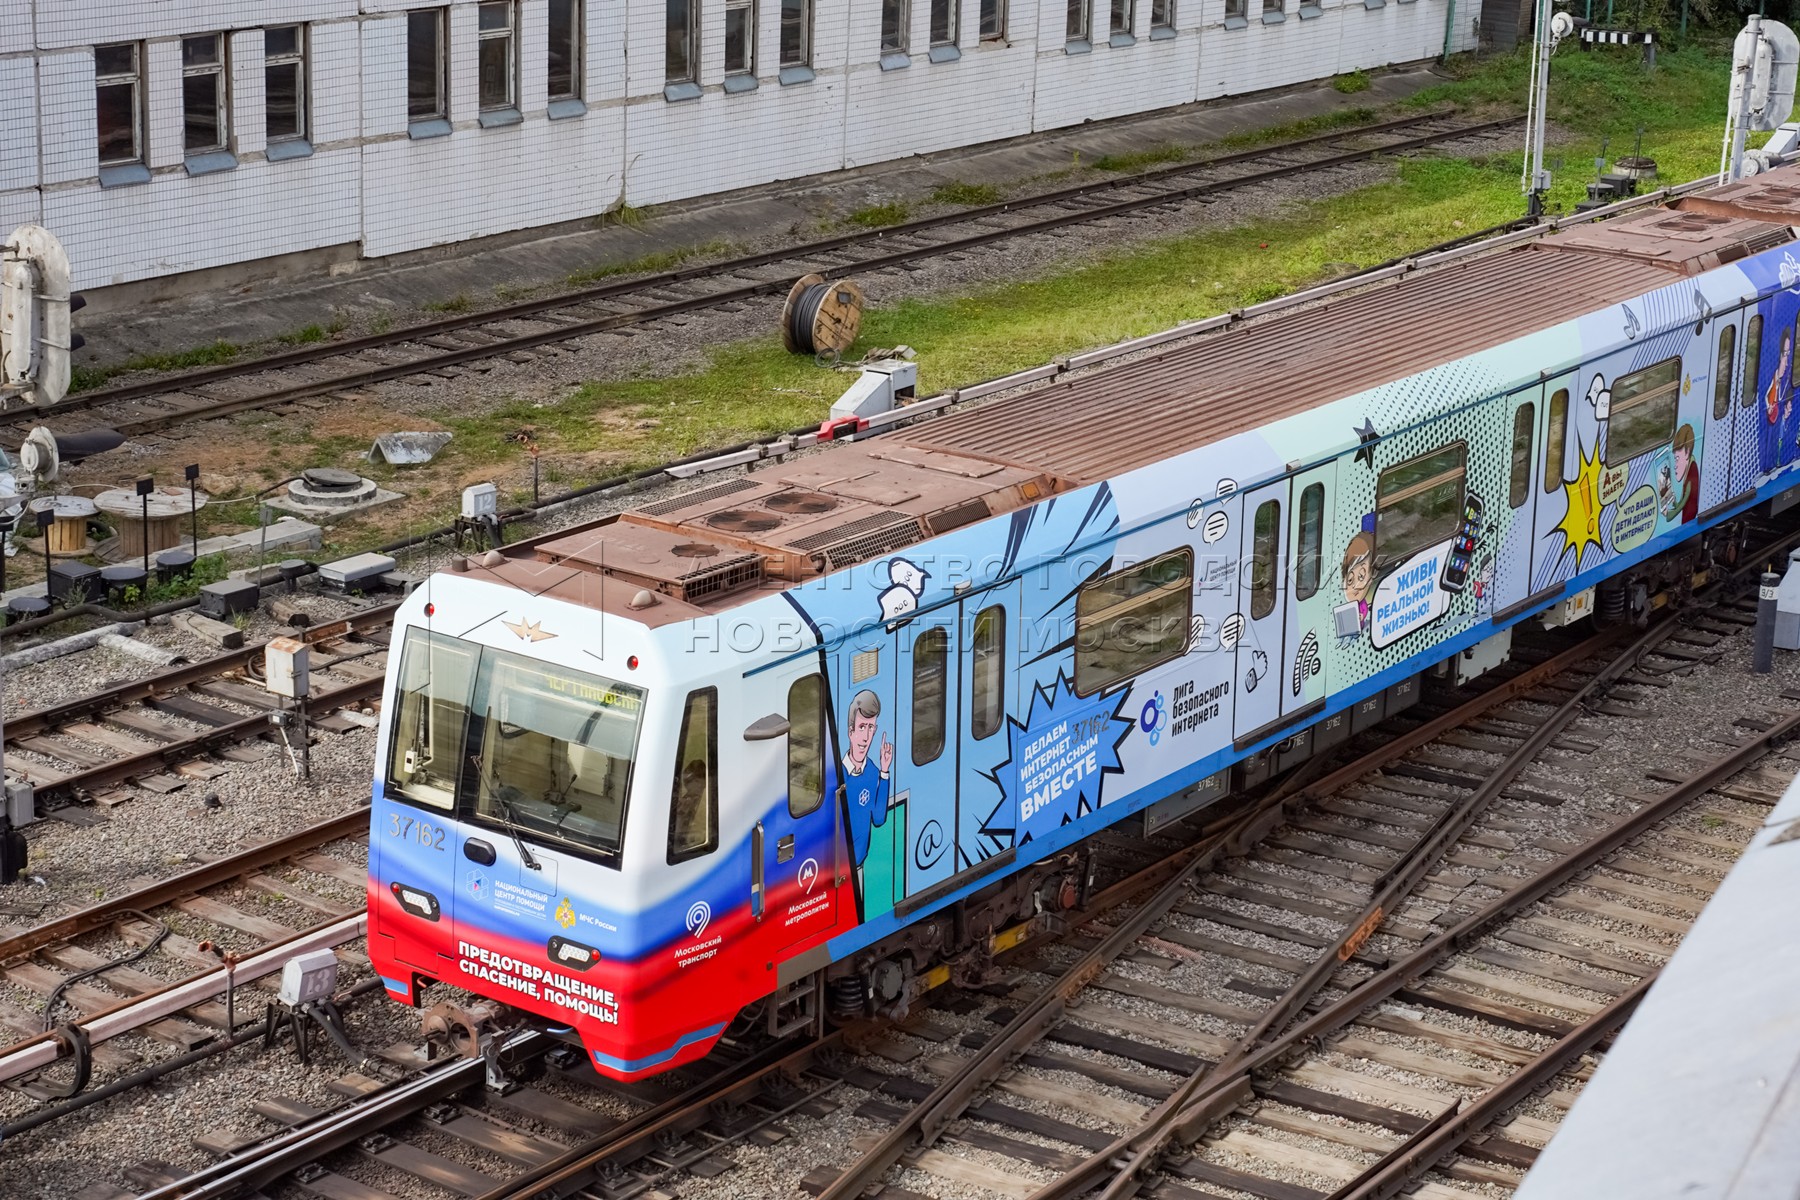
309 977
1568 610
284 668
21 803
482 500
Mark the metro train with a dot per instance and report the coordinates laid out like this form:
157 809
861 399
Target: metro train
811 739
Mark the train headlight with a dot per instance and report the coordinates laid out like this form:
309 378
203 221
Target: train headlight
574 955
417 902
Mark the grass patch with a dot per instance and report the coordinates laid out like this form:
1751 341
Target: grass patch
630 216
1351 84
214 354
1137 160
660 260
876 216
459 303
312 333
972 195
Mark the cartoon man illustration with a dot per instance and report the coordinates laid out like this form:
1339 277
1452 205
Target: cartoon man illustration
1358 576
866 781
1483 587
1687 474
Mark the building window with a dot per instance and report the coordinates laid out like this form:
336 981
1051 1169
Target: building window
1133 620
945 15
1237 10
1312 541
1076 24
1752 360
1272 8
806 745
1524 424
678 56
740 37
1162 14
203 90
425 81
896 16
1419 502
1122 16
284 82
565 50
796 33
1555 438
930 694
1642 416
694 807
498 74
119 103
993 20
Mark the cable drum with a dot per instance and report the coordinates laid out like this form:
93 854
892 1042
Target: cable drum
821 318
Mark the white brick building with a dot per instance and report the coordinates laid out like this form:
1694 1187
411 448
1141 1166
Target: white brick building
157 138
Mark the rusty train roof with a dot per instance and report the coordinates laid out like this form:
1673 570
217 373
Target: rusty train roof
706 550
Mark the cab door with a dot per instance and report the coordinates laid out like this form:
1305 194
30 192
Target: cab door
1306 676
1263 586
922 816
799 836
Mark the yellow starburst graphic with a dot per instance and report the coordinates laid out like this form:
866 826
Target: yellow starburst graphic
1580 525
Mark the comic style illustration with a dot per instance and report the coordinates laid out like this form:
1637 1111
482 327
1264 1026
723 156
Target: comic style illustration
866 785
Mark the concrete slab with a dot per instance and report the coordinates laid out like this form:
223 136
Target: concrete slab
248 308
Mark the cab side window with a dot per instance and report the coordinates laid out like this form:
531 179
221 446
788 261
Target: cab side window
806 745
694 806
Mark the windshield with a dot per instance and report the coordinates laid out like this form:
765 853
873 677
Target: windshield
546 750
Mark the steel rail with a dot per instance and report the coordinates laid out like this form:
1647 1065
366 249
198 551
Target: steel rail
585 328
1401 1166
1169 1121
188 883
45 719
1397 882
529 308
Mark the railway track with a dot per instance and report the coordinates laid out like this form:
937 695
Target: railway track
1427 984
520 331
157 732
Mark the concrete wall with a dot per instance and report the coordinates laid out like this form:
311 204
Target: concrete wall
370 184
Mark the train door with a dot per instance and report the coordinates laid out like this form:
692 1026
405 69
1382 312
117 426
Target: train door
798 840
1316 591
1557 447
1262 588
1714 455
1502 574
866 711
988 666
1738 469
923 813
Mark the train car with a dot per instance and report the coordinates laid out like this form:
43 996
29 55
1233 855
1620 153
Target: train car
808 736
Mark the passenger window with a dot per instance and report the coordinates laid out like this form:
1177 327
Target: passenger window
1312 540
930 678
1722 372
806 745
1264 535
694 808
1555 440
1419 502
1643 410
1524 422
1132 620
1752 360
987 672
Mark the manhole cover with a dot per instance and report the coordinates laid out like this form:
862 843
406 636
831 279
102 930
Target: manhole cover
331 479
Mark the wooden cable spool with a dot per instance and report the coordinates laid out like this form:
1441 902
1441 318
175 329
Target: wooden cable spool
821 317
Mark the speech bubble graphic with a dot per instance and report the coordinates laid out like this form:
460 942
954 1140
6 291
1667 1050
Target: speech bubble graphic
1218 524
1226 487
1194 514
1612 483
1230 630
1635 521
1196 632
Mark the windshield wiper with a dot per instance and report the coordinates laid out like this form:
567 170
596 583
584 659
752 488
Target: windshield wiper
507 816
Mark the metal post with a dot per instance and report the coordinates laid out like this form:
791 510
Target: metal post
1762 660
1684 15
46 517
1733 159
145 485
192 471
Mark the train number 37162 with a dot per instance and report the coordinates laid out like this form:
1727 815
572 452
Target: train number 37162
413 829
